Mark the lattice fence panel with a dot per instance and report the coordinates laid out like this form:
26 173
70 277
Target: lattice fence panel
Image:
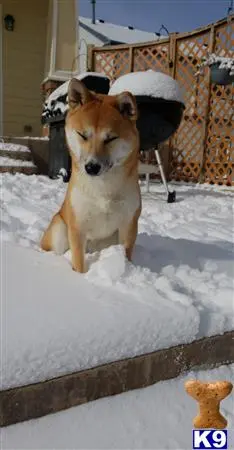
154 57
113 63
188 142
202 148
219 150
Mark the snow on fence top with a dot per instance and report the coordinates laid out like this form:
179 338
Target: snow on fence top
150 83
56 104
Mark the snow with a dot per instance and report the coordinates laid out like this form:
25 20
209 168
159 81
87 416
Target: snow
7 146
63 321
5 161
113 32
53 103
224 62
157 417
150 83
33 138
74 323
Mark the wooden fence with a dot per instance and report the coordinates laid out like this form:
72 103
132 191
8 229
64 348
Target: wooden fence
202 149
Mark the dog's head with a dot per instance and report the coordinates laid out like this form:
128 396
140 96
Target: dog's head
100 130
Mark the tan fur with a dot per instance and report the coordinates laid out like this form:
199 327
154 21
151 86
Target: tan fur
95 208
209 396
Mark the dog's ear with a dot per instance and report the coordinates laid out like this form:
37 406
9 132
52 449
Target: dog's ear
78 94
127 105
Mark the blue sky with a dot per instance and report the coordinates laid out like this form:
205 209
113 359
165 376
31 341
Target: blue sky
149 15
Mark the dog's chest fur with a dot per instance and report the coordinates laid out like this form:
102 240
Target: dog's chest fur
103 205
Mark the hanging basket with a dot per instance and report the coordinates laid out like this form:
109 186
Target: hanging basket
220 75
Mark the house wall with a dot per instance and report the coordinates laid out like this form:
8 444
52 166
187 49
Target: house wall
66 36
85 39
23 66
49 38
62 55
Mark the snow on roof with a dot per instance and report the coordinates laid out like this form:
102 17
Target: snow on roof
118 33
150 83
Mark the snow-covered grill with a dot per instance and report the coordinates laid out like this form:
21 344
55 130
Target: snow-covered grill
160 104
54 113
56 106
160 109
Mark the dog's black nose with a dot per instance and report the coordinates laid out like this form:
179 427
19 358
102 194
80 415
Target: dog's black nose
92 168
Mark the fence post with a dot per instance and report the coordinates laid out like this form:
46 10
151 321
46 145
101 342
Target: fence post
172 54
90 58
172 72
208 107
131 59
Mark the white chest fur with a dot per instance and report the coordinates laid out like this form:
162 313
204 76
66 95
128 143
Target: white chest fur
103 204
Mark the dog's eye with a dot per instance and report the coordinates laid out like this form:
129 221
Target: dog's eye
82 135
110 139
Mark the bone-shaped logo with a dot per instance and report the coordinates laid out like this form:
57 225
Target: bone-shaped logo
209 396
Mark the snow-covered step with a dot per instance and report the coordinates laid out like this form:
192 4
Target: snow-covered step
157 417
15 151
26 170
21 156
16 158
11 165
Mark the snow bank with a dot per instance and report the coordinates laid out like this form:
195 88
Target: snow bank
150 83
56 321
179 288
157 417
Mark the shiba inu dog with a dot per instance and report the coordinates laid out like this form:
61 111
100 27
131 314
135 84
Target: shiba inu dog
103 202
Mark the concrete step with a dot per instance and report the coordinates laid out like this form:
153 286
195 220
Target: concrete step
56 394
20 155
38 149
15 151
11 164
27 170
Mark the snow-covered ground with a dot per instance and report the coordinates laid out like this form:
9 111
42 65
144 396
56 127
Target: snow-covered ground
179 288
158 417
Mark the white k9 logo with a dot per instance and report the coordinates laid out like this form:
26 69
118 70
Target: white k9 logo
210 439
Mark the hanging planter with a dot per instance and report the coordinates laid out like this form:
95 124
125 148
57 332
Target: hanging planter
220 74
221 69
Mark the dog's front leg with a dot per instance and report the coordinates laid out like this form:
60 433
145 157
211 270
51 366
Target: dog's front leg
77 245
128 234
